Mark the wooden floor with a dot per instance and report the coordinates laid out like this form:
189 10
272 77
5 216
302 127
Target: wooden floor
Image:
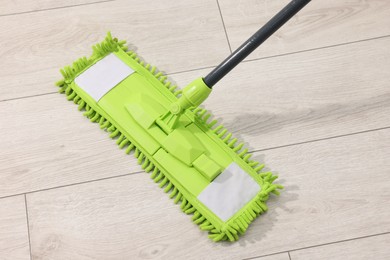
313 103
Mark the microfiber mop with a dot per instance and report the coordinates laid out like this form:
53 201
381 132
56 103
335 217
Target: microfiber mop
199 163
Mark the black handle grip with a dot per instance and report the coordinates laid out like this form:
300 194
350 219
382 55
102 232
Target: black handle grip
254 41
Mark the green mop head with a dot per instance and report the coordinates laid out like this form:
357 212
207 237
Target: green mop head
197 162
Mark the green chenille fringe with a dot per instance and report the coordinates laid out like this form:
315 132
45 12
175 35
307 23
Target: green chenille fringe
235 226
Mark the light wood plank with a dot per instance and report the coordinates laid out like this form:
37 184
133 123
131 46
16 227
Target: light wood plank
47 143
169 34
21 6
305 96
328 92
282 256
335 190
319 24
377 247
13 229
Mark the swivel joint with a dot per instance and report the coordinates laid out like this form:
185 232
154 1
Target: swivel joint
193 95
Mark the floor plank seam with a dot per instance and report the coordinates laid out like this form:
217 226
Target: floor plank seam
73 184
211 67
191 70
224 27
55 8
322 139
138 172
28 225
284 54
319 245
318 48
341 241
31 96
259 256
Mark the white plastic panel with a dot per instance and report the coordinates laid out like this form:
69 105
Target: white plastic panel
229 192
103 76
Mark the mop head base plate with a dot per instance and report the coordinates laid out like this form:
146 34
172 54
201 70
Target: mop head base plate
198 163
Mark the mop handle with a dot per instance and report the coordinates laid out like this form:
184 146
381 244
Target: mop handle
254 41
